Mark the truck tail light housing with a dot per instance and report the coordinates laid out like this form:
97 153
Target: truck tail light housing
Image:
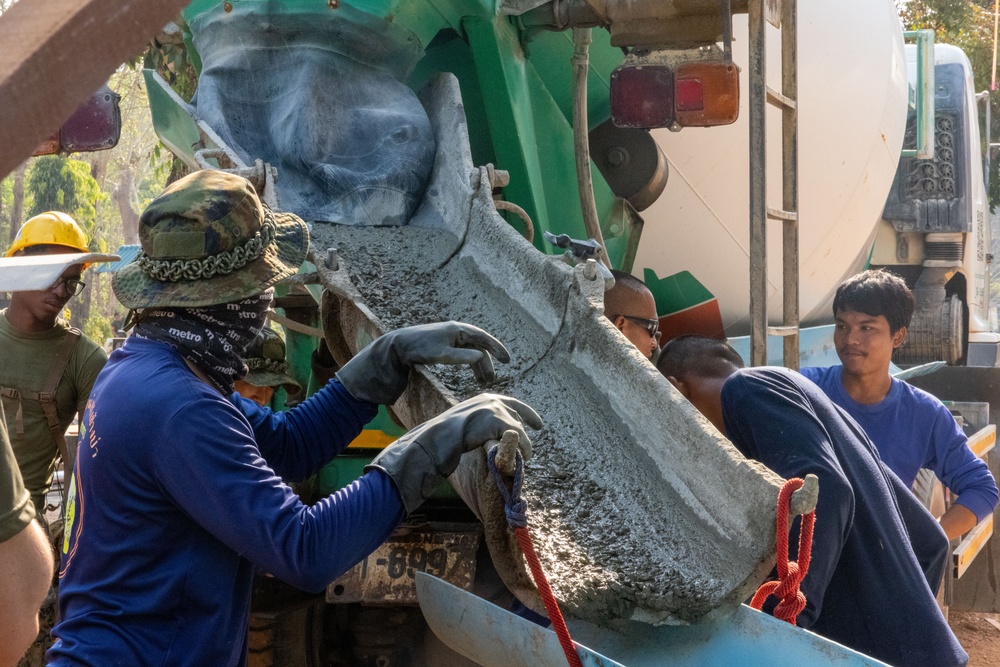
707 93
693 94
95 126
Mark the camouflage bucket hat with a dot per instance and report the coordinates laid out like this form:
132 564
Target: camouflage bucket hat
265 357
208 239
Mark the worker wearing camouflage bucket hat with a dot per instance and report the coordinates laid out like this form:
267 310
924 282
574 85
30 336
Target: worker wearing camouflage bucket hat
267 369
178 494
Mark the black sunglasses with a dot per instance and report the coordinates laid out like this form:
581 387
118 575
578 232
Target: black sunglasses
74 286
651 326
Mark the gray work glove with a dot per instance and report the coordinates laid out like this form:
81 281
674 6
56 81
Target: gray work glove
379 373
422 458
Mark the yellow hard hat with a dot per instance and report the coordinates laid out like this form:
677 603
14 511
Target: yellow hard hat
50 228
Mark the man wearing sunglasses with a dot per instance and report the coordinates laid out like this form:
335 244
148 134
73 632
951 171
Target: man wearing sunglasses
631 308
47 370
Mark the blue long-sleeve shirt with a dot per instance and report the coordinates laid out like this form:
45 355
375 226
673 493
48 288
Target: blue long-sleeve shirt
912 430
178 498
877 554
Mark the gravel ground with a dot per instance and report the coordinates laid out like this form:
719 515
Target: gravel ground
979 637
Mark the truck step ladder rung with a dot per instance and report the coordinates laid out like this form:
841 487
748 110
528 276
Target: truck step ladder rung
778 214
775 98
983 440
971 545
783 15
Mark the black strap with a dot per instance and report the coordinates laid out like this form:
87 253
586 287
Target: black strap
48 401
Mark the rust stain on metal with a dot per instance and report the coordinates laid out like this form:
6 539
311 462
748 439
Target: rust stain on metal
772 12
445 550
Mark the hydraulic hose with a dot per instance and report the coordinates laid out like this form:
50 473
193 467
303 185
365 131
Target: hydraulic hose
581 137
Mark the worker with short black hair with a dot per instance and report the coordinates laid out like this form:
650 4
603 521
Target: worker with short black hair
911 428
631 308
877 554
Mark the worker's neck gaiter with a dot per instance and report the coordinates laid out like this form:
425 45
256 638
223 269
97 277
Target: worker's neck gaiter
213 338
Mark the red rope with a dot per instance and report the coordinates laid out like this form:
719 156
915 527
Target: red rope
548 599
790 573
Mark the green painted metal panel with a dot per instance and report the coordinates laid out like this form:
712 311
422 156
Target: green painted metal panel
173 122
449 52
298 352
340 472
550 54
676 292
532 139
424 19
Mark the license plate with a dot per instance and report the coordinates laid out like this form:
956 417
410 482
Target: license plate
445 550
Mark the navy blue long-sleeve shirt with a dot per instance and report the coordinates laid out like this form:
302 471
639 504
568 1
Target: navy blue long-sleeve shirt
877 553
178 497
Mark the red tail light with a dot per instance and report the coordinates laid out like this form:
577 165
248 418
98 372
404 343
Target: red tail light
690 94
642 96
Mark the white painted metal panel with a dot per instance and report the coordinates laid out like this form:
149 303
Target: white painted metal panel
852 114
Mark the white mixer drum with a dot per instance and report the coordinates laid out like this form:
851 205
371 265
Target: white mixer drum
852 115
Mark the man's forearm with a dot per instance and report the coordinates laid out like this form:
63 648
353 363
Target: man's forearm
25 576
957 521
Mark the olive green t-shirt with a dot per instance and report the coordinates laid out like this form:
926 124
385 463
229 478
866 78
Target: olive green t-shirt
16 510
25 361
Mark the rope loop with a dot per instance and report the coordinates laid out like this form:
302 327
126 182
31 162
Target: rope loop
514 505
790 573
516 511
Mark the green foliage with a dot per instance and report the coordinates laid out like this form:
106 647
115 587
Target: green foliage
171 60
98 328
945 17
161 161
60 184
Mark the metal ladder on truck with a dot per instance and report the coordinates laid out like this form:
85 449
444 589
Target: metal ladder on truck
781 14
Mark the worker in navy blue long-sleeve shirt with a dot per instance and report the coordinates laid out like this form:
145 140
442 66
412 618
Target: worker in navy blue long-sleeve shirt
177 496
877 554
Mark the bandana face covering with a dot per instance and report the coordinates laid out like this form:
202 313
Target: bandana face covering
213 338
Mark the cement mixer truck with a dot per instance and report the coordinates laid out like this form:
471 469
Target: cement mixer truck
403 130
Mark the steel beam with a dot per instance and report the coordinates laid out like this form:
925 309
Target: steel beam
56 53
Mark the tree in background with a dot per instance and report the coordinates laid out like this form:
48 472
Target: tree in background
132 173
61 184
17 201
104 191
134 170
